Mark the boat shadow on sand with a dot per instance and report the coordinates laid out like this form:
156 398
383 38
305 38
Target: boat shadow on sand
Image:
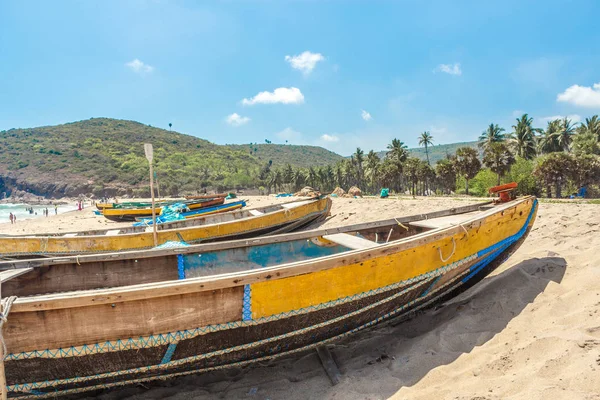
394 354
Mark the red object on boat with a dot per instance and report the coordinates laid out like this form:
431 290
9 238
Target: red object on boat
505 192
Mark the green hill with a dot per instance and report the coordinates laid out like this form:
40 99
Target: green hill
106 157
283 154
436 152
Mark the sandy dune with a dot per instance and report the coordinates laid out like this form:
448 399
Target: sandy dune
530 331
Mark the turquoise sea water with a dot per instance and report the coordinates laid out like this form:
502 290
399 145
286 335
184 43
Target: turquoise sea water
20 211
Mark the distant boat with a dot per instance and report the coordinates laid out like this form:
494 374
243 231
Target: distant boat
224 226
194 214
205 196
130 214
105 320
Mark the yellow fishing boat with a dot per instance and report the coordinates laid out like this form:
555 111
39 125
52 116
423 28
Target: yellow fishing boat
231 225
104 320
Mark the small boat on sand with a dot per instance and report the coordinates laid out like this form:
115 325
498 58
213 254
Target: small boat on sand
130 214
221 208
236 224
104 320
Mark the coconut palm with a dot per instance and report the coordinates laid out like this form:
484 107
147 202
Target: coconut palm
564 137
372 168
426 140
592 125
397 151
359 158
548 142
498 158
467 164
446 174
491 135
523 137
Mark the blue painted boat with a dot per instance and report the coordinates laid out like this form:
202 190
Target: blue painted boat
192 214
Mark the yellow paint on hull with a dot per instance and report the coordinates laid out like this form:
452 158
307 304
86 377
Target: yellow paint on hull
81 244
284 295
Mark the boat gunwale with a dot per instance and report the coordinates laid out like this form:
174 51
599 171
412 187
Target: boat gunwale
221 281
228 244
62 235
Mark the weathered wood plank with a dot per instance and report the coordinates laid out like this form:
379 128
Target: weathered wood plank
121 320
329 364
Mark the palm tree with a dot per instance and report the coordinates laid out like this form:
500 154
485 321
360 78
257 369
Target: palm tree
564 137
397 151
592 125
555 169
523 137
359 158
311 177
446 174
548 142
491 135
298 179
372 166
411 170
170 125
425 140
498 158
467 164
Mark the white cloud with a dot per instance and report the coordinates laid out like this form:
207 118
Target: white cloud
330 138
583 96
280 95
236 120
365 115
139 67
573 117
449 69
305 62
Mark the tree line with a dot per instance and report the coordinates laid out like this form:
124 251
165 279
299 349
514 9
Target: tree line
562 156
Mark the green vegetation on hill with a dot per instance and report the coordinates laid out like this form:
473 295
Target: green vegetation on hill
282 154
100 153
436 152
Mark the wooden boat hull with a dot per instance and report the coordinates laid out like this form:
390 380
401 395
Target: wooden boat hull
190 231
169 329
130 214
221 208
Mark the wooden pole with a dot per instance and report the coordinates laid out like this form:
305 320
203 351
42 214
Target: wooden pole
149 155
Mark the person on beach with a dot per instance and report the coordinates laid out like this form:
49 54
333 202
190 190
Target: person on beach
11 217
55 209
46 211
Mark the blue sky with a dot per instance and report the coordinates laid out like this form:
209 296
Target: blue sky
335 74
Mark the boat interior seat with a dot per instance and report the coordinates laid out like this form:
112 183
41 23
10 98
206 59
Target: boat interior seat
255 212
350 241
443 222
